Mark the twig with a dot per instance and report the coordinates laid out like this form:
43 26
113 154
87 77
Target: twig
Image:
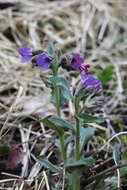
111 169
114 136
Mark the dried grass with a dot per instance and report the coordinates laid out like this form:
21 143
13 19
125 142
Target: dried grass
95 28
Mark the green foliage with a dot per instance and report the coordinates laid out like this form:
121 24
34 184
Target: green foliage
111 182
4 150
86 135
47 164
106 75
117 153
58 124
63 84
80 164
89 118
50 48
62 123
47 121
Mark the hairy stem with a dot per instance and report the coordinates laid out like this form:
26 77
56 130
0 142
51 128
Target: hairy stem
76 174
57 97
76 180
77 140
63 152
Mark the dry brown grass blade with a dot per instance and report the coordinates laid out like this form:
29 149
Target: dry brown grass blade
95 28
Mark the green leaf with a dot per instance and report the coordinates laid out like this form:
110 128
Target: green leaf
60 81
79 165
86 135
63 85
51 125
117 153
111 182
90 119
66 93
58 124
47 164
51 48
62 123
5 149
106 75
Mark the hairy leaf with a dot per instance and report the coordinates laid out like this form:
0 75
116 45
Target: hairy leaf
58 124
117 153
79 165
47 121
86 135
46 163
51 48
90 119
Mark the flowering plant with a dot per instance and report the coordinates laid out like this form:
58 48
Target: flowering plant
74 134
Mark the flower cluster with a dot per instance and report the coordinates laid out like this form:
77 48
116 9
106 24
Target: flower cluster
77 63
42 60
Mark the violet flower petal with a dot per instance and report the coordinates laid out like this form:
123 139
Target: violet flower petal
26 53
91 81
76 62
43 61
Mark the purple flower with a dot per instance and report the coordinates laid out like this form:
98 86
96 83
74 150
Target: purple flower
76 61
26 53
43 61
91 81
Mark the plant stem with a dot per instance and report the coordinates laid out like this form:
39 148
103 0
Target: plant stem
76 174
77 140
76 180
63 152
57 96
62 144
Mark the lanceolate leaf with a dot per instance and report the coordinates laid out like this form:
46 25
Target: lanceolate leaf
47 164
58 124
60 81
89 118
61 123
66 93
63 85
117 153
50 48
51 125
86 135
79 165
